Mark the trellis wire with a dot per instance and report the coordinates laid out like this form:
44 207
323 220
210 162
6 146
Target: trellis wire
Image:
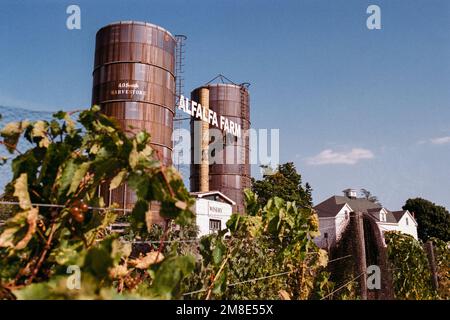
343 286
241 282
50 205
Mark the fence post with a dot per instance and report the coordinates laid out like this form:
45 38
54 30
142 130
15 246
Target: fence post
356 221
429 248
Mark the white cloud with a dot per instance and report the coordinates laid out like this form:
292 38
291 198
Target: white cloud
440 140
351 157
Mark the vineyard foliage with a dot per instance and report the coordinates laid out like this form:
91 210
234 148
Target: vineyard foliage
442 256
411 269
41 246
272 244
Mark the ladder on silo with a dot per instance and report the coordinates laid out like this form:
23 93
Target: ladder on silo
243 116
179 65
179 85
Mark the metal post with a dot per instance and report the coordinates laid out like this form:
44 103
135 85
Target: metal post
359 249
429 248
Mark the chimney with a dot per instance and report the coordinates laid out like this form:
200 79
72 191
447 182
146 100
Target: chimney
350 193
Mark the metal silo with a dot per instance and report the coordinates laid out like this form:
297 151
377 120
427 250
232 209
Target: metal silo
231 176
134 81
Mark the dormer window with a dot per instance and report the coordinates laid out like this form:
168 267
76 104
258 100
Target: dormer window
382 216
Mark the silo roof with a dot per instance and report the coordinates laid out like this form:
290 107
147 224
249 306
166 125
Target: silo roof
142 23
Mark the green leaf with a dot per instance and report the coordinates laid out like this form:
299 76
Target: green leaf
117 180
142 137
78 176
98 259
221 283
218 252
64 179
138 221
169 274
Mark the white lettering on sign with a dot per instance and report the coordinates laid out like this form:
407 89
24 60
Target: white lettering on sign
195 110
126 88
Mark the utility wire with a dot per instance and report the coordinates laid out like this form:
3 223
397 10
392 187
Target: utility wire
245 281
63 206
277 275
166 241
337 259
46 205
260 278
343 286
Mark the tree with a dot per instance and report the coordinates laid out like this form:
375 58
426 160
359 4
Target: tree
285 183
366 194
433 220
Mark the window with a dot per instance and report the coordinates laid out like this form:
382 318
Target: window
326 235
215 225
407 222
346 215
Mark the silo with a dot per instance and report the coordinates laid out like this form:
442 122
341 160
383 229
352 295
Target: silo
134 81
229 168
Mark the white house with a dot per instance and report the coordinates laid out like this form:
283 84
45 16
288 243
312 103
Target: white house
334 215
212 210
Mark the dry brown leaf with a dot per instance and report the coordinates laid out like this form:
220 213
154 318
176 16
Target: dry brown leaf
118 271
181 205
284 295
146 261
32 223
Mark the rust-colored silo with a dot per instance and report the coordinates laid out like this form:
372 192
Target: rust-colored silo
231 175
134 81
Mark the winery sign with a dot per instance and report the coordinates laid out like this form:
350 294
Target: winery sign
128 89
195 110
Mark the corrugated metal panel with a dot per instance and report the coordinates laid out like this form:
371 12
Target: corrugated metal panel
134 81
233 176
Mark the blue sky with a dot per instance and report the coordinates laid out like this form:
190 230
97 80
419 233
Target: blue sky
355 107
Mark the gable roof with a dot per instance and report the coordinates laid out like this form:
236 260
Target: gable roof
328 208
334 204
358 204
399 215
213 193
